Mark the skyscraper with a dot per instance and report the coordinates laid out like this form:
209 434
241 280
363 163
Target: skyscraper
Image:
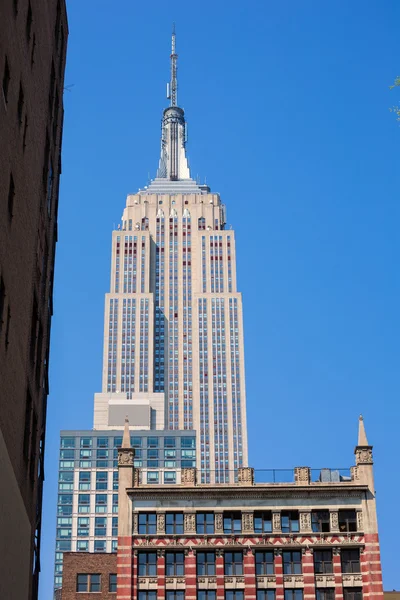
33 38
173 332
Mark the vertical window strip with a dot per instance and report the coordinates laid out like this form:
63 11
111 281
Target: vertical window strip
229 258
112 346
159 306
173 347
187 323
203 263
143 264
117 257
204 407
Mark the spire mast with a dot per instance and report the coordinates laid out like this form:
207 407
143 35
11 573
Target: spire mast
173 87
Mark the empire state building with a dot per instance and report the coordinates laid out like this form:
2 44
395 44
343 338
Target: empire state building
173 331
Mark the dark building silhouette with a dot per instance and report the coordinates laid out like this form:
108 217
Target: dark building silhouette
33 39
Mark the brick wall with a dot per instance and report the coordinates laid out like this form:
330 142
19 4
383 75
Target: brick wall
85 562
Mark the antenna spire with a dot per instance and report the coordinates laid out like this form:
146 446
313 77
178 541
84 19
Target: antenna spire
173 86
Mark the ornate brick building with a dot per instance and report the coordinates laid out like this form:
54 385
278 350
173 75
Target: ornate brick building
313 537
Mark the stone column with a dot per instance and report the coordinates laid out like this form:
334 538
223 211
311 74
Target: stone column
276 522
190 575
248 522
334 521
280 594
305 522
160 574
219 523
308 574
219 571
249 567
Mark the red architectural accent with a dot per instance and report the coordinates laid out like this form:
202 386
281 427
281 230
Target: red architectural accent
190 576
125 574
279 576
249 575
337 571
220 573
161 575
308 575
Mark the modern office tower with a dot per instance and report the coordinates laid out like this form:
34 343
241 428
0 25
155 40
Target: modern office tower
87 509
173 332
313 535
33 37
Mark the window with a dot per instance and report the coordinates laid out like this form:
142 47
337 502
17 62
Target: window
147 523
205 563
351 561
232 522
84 480
101 480
112 582
136 442
67 442
102 442
169 442
233 563
99 545
101 503
323 561
290 521
265 594
11 194
152 477
169 477
82 546
147 564
265 563
206 595
262 522
205 522
83 526
352 593
320 521
88 582
347 520
293 594
234 595
86 442
291 562
147 595
174 595
325 594
152 442
174 564
100 526
188 442
6 80
174 523
114 526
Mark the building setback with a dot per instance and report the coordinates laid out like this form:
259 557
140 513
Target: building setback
311 538
33 39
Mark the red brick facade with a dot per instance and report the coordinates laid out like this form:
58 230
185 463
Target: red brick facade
87 563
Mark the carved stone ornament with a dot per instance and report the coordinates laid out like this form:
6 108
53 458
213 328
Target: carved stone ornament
135 522
219 524
125 457
188 476
364 455
190 523
354 473
276 521
305 521
302 475
246 476
247 521
136 477
219 553
336 551
161 552
334 518
160 522
278 551
360 521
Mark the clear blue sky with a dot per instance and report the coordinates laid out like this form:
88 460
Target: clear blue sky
287 104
